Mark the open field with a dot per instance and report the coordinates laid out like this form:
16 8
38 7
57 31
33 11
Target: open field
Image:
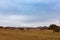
6 34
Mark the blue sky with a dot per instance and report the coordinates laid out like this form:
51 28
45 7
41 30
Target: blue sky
29 12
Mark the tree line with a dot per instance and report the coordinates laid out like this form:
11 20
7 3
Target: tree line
53 27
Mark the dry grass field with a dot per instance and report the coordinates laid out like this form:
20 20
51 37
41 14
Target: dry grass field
6 34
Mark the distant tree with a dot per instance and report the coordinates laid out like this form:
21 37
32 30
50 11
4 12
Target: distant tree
28 28
21 28
44 28
1 26
52 26
39 27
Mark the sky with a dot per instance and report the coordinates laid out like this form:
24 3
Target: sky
29 13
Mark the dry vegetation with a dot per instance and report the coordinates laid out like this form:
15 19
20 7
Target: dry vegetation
6 34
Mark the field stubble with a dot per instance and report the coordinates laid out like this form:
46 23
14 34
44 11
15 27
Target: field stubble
6 34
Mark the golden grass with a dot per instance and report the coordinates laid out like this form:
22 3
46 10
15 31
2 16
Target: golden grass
6 34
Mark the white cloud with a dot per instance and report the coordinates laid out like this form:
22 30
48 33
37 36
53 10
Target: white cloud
22 21
14 20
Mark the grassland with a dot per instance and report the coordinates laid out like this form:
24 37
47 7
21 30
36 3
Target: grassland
6 34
